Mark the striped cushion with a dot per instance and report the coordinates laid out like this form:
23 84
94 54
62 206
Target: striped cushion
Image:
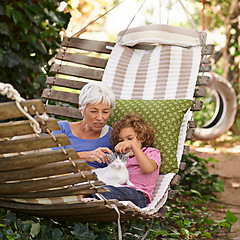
165 72
165 116
159 33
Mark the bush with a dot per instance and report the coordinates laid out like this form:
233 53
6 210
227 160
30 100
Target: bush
188 215
29 38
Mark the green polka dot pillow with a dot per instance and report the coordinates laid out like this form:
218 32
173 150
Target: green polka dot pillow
165 117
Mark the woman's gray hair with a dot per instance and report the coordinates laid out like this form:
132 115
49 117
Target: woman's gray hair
95 92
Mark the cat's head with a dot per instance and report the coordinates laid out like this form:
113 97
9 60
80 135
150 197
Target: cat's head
118 159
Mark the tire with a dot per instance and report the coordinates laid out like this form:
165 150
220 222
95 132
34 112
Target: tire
225 111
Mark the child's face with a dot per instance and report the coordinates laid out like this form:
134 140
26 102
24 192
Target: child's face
129 134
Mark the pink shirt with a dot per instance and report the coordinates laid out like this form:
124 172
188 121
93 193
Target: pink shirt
144 182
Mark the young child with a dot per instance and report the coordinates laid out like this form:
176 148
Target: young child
132 134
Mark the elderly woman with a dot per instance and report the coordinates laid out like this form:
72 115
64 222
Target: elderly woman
91 136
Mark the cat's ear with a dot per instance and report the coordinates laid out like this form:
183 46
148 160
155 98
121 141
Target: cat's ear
110 157
126 155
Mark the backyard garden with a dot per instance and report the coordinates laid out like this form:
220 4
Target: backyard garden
206 202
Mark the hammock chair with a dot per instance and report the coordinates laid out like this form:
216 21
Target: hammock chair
155 70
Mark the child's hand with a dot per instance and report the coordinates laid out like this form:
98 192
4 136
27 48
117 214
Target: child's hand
124 146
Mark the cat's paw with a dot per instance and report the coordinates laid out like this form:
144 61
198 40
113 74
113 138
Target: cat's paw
129 183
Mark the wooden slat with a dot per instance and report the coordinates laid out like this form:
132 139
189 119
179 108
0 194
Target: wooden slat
186 150
55 208
74 212
84 188
200 92
61 96
182 165
192 124
202 80
33 143
82 59
88 45
61 82
12 129
205 68
43 184
98 210
44 171
109 215
175 181
96 218
206 61
197 106
9 110
171 193
208 49
190 133
35 159
88 73
95 215
64 111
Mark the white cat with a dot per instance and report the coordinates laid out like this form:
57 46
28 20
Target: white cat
116 172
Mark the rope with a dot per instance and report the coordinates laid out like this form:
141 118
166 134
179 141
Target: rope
202 15
114 206
188 15
8 90
147 232
77 34
131 21
192 22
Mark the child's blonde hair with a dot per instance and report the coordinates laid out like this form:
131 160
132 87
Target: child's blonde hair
144 132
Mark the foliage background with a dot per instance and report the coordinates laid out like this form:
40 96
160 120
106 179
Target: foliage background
29 38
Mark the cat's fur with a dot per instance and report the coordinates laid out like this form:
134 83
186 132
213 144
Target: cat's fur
116 172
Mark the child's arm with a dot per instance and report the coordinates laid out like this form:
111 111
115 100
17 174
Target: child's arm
146 164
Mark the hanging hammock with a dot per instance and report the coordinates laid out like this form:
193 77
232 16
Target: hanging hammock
151 68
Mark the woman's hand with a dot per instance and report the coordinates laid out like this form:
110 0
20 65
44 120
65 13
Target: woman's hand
96 155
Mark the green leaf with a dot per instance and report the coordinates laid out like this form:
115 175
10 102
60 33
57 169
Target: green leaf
82 233
196 192
226 226
33 38
230 217
35 229
207 234
163 232
185 232
15 45
209 221
10 218
27 227
9 10
12 59
219 185
33 14
17 16
4 29
40 46
57 234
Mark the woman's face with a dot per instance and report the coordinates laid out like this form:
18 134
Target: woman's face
96 116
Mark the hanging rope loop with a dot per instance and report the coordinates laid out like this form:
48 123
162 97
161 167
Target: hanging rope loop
8 90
